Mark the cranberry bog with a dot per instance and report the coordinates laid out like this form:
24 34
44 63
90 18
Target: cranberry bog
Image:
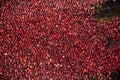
59 40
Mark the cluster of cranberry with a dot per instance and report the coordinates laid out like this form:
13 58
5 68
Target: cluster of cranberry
57 40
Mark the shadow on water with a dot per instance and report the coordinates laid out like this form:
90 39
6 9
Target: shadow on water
108 10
